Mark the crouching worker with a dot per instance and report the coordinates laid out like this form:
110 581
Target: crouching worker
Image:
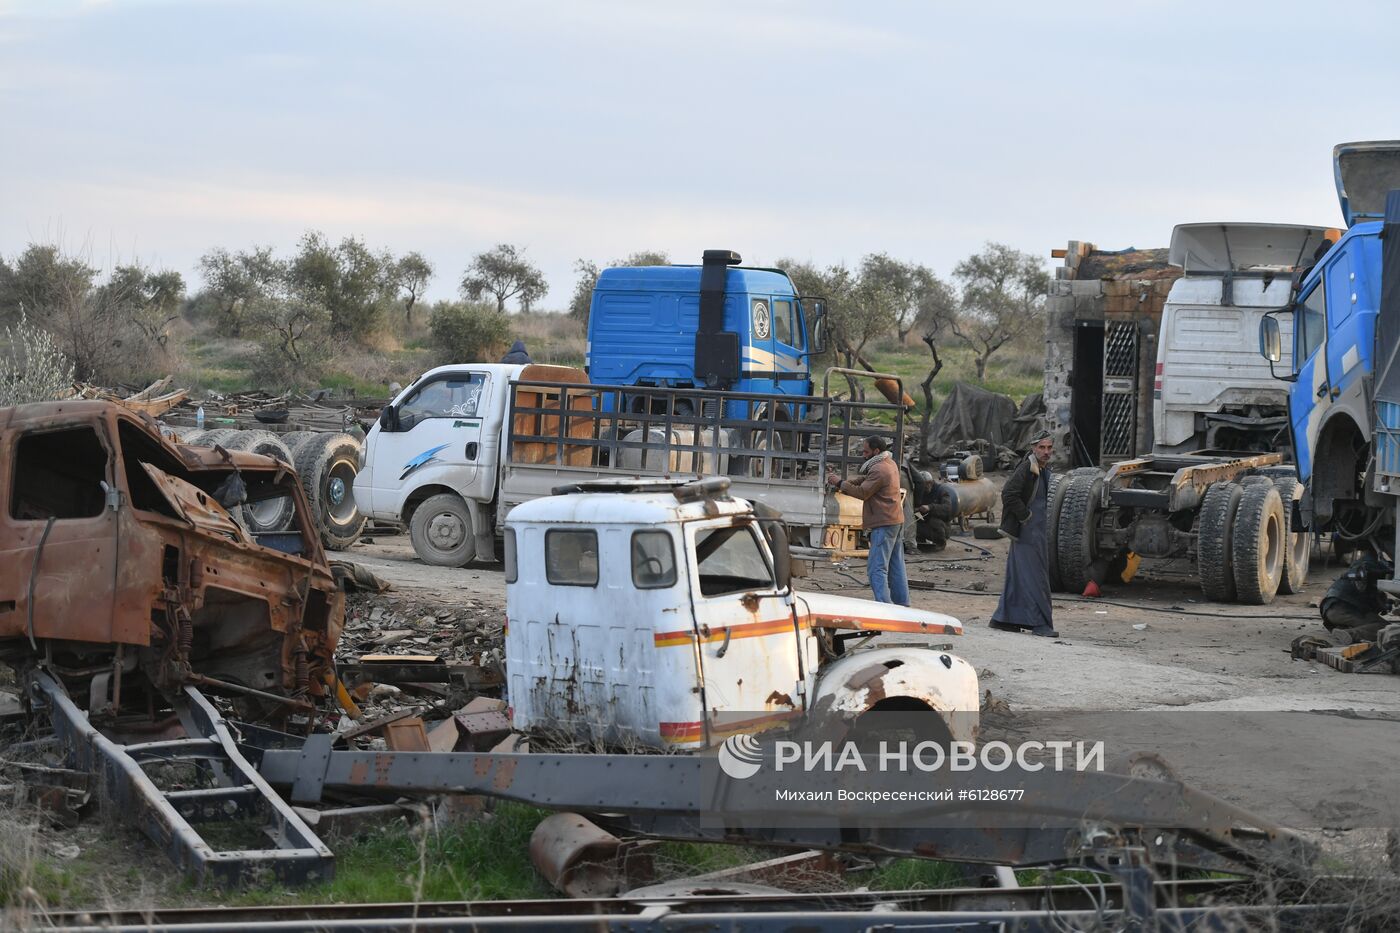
933 510
1025 595
1351 609
882 516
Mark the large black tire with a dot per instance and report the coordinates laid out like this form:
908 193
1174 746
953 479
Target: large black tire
1297 555
327 465
1214 540
1075 542
442 532
1058 484
296 439
267 515
1258 544
211 438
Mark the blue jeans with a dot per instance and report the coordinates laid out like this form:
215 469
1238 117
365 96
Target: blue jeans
886 565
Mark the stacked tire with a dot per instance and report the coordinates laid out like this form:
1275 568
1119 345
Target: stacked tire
325 464
1246 550
1074 500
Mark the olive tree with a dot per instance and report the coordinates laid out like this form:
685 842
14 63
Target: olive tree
504 273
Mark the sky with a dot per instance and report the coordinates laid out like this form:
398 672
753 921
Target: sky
155 130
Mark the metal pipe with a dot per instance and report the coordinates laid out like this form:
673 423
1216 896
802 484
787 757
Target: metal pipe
260 694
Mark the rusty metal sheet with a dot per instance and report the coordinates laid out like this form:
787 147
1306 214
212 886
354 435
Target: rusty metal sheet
198 508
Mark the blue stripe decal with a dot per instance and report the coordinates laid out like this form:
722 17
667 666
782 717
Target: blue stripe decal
423 459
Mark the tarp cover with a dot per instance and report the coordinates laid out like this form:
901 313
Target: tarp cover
1029 421
970 413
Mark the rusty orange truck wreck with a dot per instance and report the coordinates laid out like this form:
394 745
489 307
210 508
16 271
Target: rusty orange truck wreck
124 565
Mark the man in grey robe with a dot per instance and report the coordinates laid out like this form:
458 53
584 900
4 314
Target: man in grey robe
1025 596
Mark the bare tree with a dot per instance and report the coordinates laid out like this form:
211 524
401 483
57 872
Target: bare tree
504 273
1003 298
931 342
410 274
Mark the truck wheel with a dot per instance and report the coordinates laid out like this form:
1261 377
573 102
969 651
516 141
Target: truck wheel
441 529
327 465
1074 537
269 514
1258 544
1297 555
1214 561
759 441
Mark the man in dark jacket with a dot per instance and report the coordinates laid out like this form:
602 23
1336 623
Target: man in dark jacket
1025 596
518 354
882 516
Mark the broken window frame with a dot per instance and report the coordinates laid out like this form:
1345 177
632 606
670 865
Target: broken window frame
701 534
108 472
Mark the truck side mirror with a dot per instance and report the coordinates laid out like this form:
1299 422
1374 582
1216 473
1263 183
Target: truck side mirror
819 330
1270 340
389 418
776 533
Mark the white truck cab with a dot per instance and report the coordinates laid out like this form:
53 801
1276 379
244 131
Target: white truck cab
661 614
1212 389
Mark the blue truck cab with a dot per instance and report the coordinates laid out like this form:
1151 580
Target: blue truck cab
718 326
1339 340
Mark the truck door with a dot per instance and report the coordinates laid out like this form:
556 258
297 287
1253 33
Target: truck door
746 634
438 439
61 539
1311 394
759 361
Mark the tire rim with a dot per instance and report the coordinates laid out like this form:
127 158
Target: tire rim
1273 547
338 483
446 531
266 513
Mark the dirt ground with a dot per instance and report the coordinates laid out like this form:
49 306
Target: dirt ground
1224 657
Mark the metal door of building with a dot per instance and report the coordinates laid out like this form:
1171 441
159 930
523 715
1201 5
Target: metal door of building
1120 390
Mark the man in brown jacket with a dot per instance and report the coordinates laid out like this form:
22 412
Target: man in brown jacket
882 516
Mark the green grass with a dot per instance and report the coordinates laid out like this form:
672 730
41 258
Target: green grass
483 859
479 860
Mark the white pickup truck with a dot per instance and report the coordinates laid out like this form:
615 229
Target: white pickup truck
466 443
661 614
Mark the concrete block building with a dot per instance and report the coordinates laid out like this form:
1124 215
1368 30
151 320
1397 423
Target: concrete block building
1103 315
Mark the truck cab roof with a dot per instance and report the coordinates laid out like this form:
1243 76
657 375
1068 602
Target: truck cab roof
738 279
648 506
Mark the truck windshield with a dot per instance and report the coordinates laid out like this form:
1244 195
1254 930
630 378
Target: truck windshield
451 395
729 560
